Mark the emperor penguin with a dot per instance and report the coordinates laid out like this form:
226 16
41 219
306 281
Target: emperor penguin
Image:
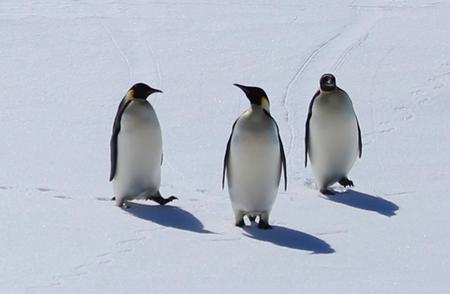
332 135
136 149
254 160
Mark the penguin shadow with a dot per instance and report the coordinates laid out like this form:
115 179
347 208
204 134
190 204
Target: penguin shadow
365 202
167 216
285 237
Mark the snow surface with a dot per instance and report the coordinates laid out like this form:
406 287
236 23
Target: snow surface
65 67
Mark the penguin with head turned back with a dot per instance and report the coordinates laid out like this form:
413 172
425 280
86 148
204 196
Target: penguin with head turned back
136 149
332 135
254 160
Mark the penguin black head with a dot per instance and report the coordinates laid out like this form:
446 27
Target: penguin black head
327 82
256 95
141 91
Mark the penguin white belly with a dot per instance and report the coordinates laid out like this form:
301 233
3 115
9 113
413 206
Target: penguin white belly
333 144
254 170
139 156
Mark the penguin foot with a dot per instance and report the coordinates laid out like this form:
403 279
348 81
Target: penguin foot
326 191
251 218
346 182
161 200
123 205
240 223
264 225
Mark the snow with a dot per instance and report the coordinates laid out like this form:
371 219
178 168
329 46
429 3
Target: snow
65 67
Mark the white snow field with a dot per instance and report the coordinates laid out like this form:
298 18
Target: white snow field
65 65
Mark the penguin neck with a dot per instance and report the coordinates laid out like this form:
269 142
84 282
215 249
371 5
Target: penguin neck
326 91
128 97
256 107
136 100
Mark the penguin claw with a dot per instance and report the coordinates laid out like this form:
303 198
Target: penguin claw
327 192
346 182
240 223
171 198
264 225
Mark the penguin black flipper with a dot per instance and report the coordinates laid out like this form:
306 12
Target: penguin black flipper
307 128
227 156
283 161
282 154
359 139
116 130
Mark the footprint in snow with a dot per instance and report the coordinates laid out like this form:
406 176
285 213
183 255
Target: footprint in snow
104 198
59 196
42 189
416 92
309 182
423 101
405 112
62 197
438 86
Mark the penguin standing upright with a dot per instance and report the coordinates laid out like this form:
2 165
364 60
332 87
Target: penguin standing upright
332 135
136 149
254 160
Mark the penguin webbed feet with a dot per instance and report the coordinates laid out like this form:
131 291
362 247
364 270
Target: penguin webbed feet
252 218
264 225
346 182
327 191
161 200
122 203
240 223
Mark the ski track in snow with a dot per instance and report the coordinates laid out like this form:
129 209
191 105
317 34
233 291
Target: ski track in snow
122 247
155 62
395 7
354 225
405 111
121 52
367 28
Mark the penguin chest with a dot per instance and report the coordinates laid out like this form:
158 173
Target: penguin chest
139 152
254 167
334 141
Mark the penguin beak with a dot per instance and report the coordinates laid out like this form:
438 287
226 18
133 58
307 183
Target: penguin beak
154 91
243 88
